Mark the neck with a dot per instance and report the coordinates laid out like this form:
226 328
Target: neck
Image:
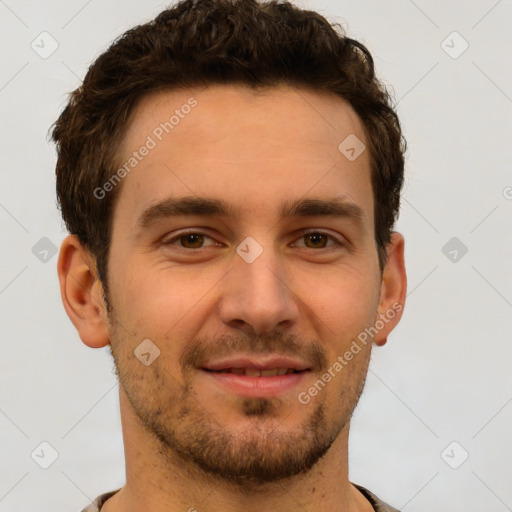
158 483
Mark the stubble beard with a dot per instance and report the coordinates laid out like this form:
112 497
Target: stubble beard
192 439
267 452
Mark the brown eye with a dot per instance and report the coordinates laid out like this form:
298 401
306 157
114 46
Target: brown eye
316 240
191 240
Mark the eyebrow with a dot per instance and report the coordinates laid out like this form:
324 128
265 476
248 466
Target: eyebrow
334 207
172 207
209 207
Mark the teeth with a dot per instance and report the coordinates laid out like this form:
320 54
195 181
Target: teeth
269 373
254 372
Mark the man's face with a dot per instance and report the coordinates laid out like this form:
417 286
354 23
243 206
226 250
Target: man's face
223 316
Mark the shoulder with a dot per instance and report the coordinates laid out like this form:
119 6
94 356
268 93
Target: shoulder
377 504
96 505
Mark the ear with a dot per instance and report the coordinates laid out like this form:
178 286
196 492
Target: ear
393 290
82 293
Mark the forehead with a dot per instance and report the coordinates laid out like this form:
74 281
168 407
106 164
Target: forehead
289 114
255 149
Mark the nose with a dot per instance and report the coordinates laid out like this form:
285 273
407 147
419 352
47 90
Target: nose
257 296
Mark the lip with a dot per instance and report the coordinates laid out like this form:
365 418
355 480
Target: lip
262 386
261 363
255 387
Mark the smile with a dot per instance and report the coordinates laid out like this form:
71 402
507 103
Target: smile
255 372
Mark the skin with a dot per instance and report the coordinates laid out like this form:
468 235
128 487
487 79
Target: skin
256 150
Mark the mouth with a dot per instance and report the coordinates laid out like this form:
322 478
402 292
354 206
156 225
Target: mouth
253 377
256 372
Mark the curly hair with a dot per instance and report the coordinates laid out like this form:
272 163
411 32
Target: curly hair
204 42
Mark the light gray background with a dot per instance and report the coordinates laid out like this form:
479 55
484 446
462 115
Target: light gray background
445 374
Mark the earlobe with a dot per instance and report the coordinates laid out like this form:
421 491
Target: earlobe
393 290
82 293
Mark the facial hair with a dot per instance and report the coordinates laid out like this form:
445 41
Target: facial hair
269 451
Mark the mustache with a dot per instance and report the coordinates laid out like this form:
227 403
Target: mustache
202 350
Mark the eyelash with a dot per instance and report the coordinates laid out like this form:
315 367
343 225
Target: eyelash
177 237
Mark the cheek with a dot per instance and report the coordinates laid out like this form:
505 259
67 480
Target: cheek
161 301
343 302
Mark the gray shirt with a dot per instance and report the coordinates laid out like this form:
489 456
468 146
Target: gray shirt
378 505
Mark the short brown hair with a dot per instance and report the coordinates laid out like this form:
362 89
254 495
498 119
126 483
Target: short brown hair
203 42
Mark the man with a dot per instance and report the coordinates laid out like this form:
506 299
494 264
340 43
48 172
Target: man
230 175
